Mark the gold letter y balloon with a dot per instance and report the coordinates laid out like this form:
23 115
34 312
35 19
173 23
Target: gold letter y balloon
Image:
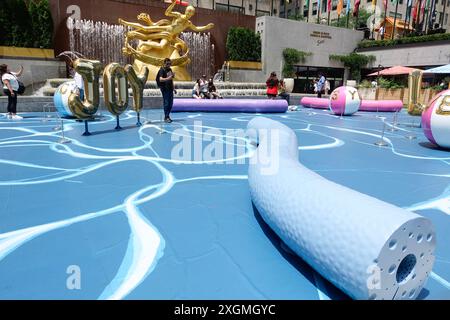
137 83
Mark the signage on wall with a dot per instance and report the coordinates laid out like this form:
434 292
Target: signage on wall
321 36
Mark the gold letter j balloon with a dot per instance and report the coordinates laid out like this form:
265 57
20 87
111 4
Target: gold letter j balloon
90 71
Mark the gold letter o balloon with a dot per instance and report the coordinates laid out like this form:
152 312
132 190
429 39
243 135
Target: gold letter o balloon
114 77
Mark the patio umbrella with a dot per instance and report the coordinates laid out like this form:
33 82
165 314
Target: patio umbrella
441 69
393 71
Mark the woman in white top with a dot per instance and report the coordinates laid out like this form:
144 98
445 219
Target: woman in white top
196 90
10 87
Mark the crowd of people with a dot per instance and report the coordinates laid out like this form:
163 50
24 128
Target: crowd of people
205 89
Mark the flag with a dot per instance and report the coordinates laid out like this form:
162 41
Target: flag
408 10
374 4
329 6
356 9
183 3
348 7
318 6
307 4
415 11
432 17
340 6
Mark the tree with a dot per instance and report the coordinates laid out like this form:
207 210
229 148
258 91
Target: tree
243 44
354 62
354 22
20 25
43 22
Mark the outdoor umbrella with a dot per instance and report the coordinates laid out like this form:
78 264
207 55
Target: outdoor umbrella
393 71
441 69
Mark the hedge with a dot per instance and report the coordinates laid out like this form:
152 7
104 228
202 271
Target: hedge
405 40
26 24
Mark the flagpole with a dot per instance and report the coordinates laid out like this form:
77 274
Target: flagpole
307 16
348 17
385 13
428 14
373 21
408 16
329 16
443 14
395 19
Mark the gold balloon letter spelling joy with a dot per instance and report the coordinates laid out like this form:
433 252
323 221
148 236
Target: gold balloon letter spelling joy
115 81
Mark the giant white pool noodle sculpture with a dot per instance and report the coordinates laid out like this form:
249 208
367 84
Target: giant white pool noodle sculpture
368 248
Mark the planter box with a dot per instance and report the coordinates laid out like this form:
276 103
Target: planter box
403 94
367 93
18 52
392 94
245 65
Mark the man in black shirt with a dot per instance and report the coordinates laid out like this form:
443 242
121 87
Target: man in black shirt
164 79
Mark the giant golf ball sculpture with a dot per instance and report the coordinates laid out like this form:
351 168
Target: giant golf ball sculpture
344 101
368 248
61 98
436 120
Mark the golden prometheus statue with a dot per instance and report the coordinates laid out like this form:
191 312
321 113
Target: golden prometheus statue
160 40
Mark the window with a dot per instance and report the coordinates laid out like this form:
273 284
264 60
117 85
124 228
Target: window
446 19
334 4
305 13
226 7
314 9
400 2
323 6
392 14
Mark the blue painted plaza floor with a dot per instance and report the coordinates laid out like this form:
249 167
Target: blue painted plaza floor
138 223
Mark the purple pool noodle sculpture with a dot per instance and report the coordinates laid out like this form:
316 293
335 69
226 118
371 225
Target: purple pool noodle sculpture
230 105
382 105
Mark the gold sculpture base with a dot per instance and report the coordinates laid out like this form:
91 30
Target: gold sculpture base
181 73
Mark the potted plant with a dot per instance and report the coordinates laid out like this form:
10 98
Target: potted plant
291 57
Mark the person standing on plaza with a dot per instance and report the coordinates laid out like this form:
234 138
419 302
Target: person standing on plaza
320 85
164 80
11 88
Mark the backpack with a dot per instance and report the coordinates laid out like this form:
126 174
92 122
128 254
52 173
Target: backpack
21 89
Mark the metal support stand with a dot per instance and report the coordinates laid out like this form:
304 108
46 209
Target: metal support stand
63 138
161 126
118 127
46 110
147 121
394 122
138 123
381 142
86 129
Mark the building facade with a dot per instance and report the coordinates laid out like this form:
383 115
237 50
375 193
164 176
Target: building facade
317 10
248 7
